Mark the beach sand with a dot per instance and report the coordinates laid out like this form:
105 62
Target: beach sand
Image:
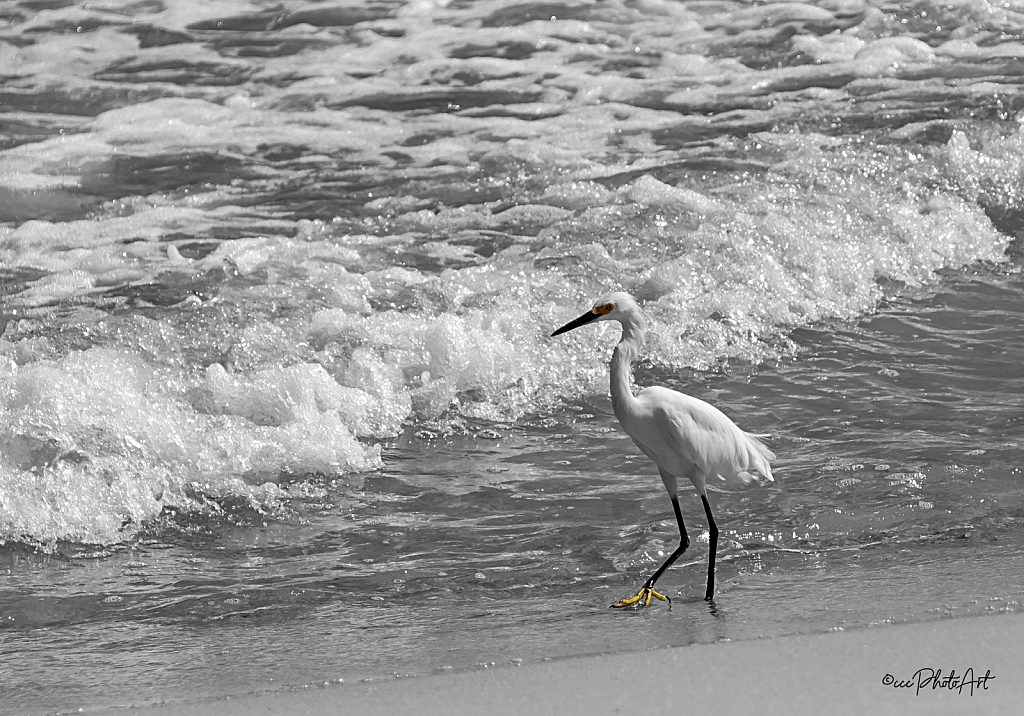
835 673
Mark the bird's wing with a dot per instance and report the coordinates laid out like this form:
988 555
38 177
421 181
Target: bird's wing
705 437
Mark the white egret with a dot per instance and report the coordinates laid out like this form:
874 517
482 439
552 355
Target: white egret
686 437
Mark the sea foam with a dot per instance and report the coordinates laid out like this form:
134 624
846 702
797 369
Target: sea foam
225 270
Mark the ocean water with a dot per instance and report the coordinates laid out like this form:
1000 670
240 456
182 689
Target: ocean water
278 403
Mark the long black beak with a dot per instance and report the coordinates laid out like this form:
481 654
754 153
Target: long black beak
581 321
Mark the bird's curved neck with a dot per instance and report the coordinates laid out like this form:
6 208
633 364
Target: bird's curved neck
626 352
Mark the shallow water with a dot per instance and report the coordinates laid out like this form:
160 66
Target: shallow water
278 402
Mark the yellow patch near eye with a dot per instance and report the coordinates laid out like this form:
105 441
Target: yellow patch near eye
606 308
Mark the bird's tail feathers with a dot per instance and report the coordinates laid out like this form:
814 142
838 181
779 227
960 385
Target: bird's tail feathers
756 438
739 479
761 458
748 467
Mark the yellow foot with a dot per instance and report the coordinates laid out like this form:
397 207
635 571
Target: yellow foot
644 595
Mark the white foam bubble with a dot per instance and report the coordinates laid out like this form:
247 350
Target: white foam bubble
648 190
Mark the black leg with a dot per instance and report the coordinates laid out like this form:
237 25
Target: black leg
712 549
684 543
648 589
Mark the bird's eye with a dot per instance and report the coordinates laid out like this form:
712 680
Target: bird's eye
606 308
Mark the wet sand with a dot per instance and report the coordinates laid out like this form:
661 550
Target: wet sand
841 672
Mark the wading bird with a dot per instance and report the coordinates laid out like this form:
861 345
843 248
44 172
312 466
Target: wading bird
685 436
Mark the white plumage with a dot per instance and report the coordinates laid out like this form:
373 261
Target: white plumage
687 437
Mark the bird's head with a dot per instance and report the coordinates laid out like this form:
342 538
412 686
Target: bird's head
616 306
